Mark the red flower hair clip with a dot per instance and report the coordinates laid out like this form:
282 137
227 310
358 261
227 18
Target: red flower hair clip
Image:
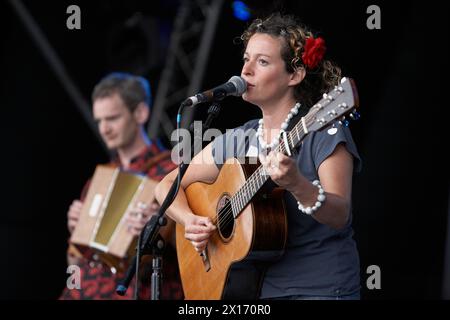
313 52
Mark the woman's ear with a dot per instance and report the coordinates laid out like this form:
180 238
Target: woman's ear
297 77
141 113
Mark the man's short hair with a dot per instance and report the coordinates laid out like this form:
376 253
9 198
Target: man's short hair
132 89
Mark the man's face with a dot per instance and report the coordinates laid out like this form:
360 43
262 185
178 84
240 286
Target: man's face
117 125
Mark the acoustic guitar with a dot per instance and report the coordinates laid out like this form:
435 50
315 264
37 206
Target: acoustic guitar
250 217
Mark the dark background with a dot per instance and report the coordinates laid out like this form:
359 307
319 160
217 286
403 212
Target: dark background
400 197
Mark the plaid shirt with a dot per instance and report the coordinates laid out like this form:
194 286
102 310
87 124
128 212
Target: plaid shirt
97 280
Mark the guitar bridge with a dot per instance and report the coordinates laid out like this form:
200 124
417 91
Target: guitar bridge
205 258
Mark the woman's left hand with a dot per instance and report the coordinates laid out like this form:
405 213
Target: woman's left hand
282 169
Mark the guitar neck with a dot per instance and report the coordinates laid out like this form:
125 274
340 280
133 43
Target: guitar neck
260 176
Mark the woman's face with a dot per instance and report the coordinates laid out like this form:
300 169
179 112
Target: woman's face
264 70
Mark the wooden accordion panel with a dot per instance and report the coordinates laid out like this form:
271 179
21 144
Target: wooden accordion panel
112 193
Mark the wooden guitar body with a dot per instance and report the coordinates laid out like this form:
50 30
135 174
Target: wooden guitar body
236 253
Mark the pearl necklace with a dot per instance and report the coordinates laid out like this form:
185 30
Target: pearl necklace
284 125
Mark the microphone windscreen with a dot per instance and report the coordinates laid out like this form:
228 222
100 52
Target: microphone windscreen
240 84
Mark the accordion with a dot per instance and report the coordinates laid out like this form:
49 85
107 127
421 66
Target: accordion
101 230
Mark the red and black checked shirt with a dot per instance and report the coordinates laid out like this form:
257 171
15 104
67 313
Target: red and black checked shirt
97 280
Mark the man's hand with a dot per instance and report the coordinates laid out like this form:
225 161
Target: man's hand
138 216
73 215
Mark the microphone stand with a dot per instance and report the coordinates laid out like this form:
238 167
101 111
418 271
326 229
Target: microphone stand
150 241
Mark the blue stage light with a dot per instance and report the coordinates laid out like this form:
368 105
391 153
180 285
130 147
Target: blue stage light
241 11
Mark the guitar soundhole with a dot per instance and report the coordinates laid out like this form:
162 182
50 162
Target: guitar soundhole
225 218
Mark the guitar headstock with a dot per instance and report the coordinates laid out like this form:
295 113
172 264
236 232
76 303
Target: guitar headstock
335 105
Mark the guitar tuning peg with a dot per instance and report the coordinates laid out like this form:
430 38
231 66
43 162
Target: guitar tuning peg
346 123
355 115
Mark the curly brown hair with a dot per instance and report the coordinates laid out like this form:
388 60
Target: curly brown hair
317 81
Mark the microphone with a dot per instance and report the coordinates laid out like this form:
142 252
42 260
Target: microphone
236 86
122 287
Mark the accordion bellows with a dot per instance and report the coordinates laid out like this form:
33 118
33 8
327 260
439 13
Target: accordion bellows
102 228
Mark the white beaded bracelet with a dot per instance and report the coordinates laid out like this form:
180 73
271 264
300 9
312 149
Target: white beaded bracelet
320 199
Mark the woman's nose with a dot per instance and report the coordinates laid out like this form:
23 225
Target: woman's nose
247 69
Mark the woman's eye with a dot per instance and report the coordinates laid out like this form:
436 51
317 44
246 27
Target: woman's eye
263 62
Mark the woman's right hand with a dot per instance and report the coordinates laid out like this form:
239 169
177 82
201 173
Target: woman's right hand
197 230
